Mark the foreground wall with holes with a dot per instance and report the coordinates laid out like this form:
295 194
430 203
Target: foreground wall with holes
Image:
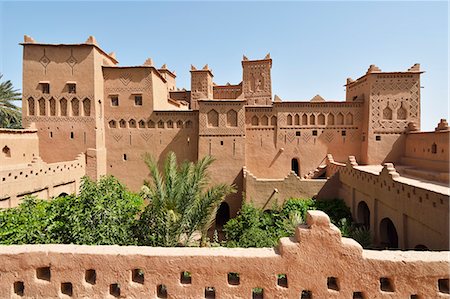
37 178
400 211
316 263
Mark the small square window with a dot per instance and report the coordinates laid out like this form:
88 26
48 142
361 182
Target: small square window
378 138
72 87
45 88
115 101
298 133
138 100
282 280
186 277
233 278
314 132
344 133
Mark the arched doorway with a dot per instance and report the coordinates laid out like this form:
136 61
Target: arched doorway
388 234
295 167
363 214
63 194
223 215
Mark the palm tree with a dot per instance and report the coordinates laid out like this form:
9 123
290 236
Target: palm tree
10 114
180 202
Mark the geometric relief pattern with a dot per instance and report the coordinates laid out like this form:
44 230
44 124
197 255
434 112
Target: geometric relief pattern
290 136
117 137
306 136
146 136
328 136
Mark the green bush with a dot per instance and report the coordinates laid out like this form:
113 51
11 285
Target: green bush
103 213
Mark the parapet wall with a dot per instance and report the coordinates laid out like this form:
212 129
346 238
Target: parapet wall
316 263
44 180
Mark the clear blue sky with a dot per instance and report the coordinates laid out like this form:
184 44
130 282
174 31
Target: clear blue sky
315 46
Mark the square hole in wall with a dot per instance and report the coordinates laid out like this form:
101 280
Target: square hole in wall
43 273
306 294
443 286
257 293
137 276
314 132
378 138
343 133
210 293
221 142
233 278
358 295
386 284
332 283
114 289
282 280
19 288
185 277
161 291
90 276
414 296
67 288
298 133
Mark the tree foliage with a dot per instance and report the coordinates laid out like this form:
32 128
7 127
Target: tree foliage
10 114
180 202
104 213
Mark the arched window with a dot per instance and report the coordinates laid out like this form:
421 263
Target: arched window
289 120
273 120
6 151
388 234
213 118
31 108
75 107
42 106
295 167
364 214
87 107
264 121
312 119
122 123
255 120
321 119
170 124
232 118
434 148
132 123
297 119
63 107
223 215
151 124
349 119
331 119
161 124
180 124
112 124
401 112
340 119
141 124
304 119
188 124
52 104
387 113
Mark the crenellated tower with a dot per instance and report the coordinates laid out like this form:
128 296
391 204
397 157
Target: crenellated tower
201 85
257 82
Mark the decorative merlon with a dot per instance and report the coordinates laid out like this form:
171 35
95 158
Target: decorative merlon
244 58
113 55
148 62
350 80
193 68
206 67
28 39
317 98
277 99
267 56
164 66
373 69
415 68
91 40
389 169
442 125
351 161
412 127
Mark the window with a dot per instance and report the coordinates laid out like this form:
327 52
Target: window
378 138
115 101
45 87
138 100
314 132
434 148
344 133
72 87
298 133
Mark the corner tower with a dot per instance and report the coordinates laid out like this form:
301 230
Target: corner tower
256 81
201 85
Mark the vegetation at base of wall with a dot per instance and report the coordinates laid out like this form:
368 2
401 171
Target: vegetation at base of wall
104 213
181 204
254 227
10 114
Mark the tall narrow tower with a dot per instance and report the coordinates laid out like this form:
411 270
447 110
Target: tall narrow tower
201 85
257 82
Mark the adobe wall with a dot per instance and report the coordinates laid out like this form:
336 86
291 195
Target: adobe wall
418 210
18 147
339 269
300 130
263 193
44 180
157 134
